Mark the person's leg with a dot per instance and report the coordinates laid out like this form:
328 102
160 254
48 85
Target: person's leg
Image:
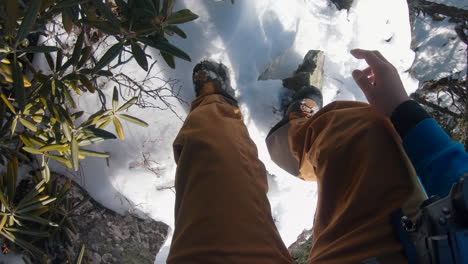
222 213
363 175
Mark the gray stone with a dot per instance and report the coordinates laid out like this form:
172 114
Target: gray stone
96 258
114 238
310 72
343 4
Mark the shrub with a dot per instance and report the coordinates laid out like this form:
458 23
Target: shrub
40 120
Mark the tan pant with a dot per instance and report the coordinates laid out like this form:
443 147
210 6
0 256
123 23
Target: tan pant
222 213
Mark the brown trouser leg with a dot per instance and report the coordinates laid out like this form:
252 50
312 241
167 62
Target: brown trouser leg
363 175
222 213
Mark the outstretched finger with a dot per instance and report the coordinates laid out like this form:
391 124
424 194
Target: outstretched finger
371 58
363 82
381 57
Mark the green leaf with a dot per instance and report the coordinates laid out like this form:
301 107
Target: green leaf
169 59
115 98
128 104
176 30
12 8
22 243
37 141
50 61
119 128
58 61
109 56
105 73
58 158
40 49
106 12
36 205
34 200
103 122
27 232
7 102
76 116
26 141
79 258
31 194
104 26
85 55
134 120
32 150
4 200
148 4
66 130
12 176
181 16
97 133
157 5
67 94
75 153
139 55
94 153
75 58
18 85
2 223
28 21
67 20
166 47
31 126
167 7
87 83
14 123
37 219
45 171
55 147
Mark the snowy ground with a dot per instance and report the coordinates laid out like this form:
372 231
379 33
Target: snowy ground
440 52
247 37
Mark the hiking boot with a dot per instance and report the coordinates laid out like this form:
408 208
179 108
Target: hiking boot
305 103
210 77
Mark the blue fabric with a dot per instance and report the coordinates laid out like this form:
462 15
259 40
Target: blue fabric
439 161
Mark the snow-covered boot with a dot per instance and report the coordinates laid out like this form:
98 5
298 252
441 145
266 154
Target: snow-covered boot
211 77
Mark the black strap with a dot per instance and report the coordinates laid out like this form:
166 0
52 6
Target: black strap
407 115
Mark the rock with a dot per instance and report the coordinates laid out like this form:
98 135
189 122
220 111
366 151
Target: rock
310 72
114 238
300 250
96 258
343 4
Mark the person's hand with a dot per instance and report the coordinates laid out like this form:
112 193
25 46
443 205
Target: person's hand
380 82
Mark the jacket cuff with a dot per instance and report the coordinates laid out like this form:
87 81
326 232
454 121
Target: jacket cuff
406 116
417 147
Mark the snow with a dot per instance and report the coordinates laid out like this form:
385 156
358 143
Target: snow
440 52
248 37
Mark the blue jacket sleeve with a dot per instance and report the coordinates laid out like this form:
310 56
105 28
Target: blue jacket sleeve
439 161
